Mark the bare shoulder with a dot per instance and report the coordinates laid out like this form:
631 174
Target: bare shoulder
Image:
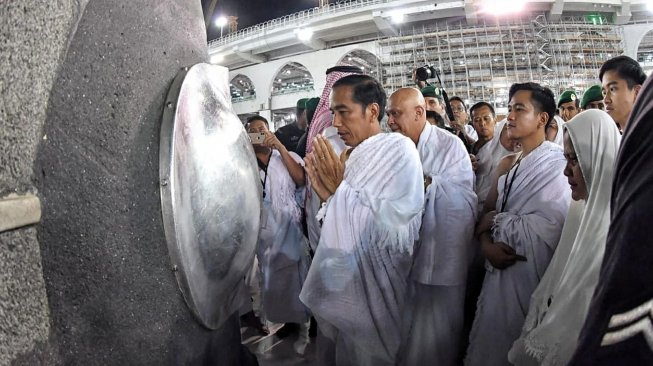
506 163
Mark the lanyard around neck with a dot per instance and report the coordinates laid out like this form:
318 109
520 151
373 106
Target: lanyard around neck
264 167
508 187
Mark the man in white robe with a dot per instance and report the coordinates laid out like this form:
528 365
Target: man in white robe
322 125
282 249
488 152
357 284
434 314
519 237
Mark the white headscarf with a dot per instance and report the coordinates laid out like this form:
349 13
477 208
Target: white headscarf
560 135
560 303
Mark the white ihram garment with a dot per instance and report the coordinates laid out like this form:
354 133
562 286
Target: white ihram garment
560 303
443 253
488 159
531 223
357 283
281 249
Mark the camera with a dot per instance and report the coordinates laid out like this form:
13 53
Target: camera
425 72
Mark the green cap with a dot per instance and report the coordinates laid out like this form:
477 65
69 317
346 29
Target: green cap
567 96
592 94
431 91
301 104
311 106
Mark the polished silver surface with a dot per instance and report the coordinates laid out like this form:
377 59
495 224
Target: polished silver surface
210 193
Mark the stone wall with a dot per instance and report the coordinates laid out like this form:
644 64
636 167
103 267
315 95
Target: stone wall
101 254
33 40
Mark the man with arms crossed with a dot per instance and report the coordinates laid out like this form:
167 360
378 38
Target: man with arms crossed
522 226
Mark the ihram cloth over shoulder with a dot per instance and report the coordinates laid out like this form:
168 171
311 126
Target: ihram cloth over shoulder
530 223
443 254
281 249
488 158
358 278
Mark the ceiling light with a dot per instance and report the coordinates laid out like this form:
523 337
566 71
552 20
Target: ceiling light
217 58
397 17
501 7
304 34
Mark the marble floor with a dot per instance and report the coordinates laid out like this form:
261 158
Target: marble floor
273 351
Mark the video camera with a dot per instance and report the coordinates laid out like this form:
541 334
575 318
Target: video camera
429 72
425 72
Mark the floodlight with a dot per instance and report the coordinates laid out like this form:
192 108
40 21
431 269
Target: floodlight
221 21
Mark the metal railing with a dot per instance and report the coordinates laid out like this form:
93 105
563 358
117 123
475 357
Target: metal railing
295 19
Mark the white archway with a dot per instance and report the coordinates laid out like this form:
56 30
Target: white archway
241 88
292 77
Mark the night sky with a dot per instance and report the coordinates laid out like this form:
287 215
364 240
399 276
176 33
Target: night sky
251 12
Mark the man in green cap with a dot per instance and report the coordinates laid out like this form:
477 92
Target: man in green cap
290 134
592 98
311 106
568 105
434 100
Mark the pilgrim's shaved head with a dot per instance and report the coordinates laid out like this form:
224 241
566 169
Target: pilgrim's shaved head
407 113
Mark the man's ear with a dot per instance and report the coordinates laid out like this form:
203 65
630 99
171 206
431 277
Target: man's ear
420 112
637 88
544 118
374 110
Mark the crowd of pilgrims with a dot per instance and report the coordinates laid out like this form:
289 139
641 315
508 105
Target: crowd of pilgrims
480 240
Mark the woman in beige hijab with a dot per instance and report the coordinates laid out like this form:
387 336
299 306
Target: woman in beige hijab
559 305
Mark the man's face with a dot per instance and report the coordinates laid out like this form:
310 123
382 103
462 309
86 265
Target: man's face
552 130
350 118
301 119
433 104
618 99
402 118
568 110
484 122
257 126
523 117
459 111
595 105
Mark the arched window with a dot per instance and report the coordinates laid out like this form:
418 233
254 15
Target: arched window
645 52
293 77
241 88
367 61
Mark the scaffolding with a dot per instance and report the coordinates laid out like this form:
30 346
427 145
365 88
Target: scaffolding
480 62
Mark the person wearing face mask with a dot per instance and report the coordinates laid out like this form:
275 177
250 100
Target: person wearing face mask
559 305
519 232
621 79
434 313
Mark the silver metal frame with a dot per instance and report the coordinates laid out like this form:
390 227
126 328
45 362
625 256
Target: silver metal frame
209 286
